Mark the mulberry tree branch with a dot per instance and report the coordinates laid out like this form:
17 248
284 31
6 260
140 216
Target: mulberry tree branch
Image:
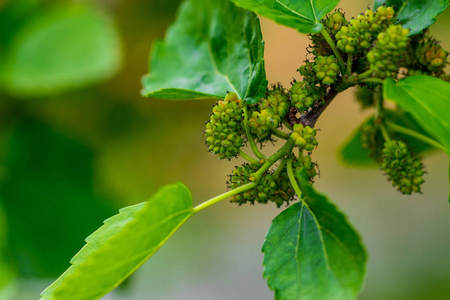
311 117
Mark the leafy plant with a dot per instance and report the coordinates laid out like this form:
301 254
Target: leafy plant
215 50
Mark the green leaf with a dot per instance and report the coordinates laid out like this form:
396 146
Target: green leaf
63 47
303 15
212 48
351 153
427 99
122 245
416 15
312 252
49 197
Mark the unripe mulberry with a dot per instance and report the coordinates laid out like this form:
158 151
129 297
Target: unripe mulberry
362 31
262 123
277 100
223 131
270 187
372 139
332 23
403 169
306 162
303 95
431 55
304 137
308 73
326 69
389 50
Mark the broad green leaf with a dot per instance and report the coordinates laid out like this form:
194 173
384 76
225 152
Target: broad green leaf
122 245
63 47
303 15
312 252
212 48
427 99
351 153
416 15
49 198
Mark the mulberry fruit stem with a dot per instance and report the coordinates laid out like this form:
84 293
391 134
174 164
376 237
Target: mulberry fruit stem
385 133
248 157
280 167
250 138
280 134
292 178
364 75
287 148
372 80
379 101
349 64
286 123
336 52
224 196
416 135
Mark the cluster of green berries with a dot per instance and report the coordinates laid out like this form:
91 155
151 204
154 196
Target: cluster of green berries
430 56
306 162
403 169
270 188
390 48
269 113
359 34
332 23
224 129
372 139
372 46
304 137
326 69
304 95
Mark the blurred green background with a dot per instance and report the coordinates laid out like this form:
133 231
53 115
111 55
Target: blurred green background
77 142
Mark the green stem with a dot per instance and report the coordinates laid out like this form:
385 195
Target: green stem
334 48
379 102
247 157
250 138
287 148
385 133
280 134
416 135
292 178
349 64
286 123
224 196
364 75
280 167
371 80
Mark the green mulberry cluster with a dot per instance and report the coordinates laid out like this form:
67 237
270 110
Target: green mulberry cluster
326 69
278 100
332 23
431 55
403 169
304 137
303 95
271 188
306 162
223 131
262 123
362 31
269 113
389 49
372 139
